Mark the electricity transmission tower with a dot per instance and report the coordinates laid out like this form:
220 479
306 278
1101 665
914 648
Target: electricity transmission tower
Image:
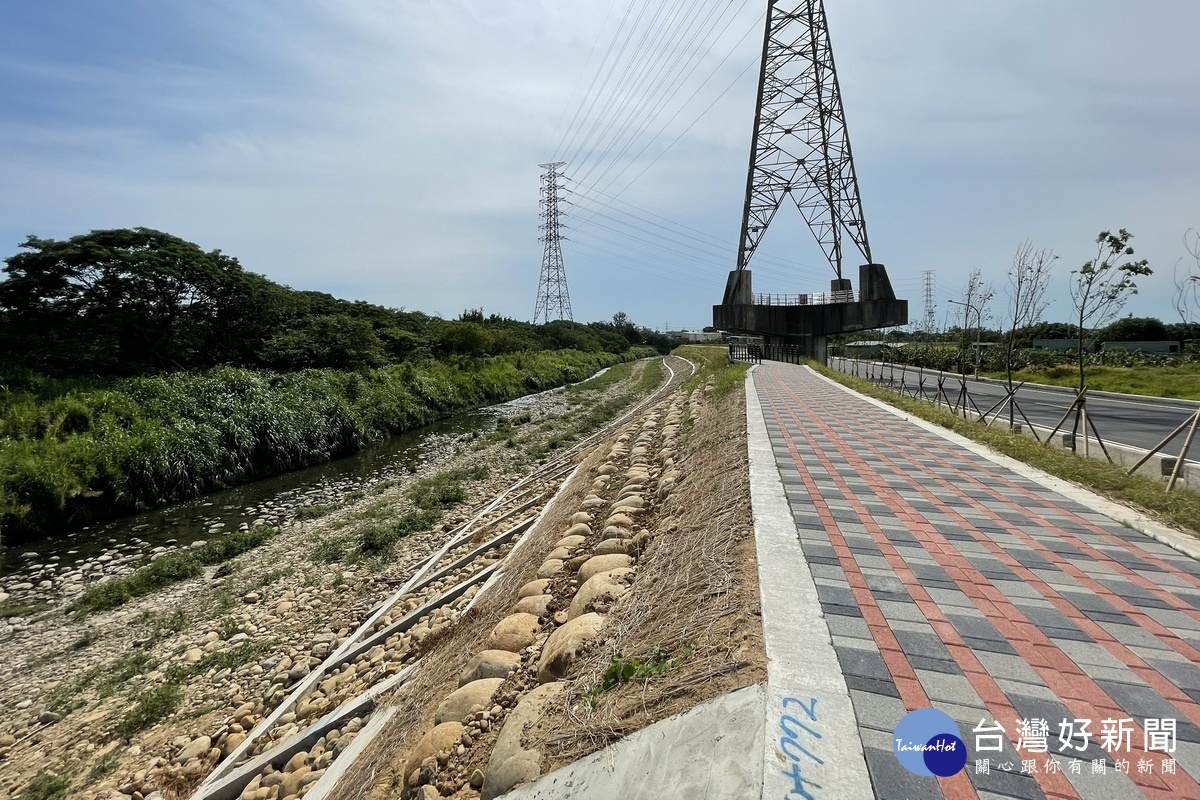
929 324
800 148
553 302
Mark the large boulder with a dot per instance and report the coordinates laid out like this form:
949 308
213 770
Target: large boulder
579 529
442 738
514 633
571 542
597 564
460 702
538 605
510 763
567 644
489 664
604 587
533 588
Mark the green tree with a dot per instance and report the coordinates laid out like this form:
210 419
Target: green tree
116 301
334 341
1101 286
1135 329
464 339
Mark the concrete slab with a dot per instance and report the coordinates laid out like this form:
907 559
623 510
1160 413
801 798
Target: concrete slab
712 751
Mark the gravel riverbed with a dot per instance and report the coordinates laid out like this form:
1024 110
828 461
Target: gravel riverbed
114 701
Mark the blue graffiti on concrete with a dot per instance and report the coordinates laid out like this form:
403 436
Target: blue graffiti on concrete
797 734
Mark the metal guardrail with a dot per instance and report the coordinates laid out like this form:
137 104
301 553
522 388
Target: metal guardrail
813 299
758 353
952 389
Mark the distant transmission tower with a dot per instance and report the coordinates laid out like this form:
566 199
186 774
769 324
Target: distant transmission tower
800 148
553 301
929 324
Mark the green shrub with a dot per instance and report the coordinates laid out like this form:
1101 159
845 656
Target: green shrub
316 511
12 608
232 658
104 766
168 569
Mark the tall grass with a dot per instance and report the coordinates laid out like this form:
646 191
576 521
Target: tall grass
1181 381
76 451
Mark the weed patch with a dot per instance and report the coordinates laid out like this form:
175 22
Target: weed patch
89 638
168 569
232 658
377 539
445 488
329 551
153 706
316 511
46 785
103 767
622 670
9 609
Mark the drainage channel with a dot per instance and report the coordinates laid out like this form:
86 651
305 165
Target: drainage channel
384 652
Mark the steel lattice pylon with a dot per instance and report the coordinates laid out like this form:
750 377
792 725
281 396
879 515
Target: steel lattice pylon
800 147
553 301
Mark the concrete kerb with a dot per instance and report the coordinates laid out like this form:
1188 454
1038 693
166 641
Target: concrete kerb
230 785
338 768
1178 540
806 690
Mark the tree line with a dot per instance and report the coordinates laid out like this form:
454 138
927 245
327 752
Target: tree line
139 301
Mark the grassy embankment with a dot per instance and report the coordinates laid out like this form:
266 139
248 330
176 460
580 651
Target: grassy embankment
713 362
1181 381
1180 508
76 451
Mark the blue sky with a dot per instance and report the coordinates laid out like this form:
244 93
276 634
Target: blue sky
389 151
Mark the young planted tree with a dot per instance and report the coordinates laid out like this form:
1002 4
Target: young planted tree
1028 280
975 298
1101 286
1187 281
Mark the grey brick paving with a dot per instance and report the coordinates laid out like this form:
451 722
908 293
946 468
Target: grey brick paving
1026 578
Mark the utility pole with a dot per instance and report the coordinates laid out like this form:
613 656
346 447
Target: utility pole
553 301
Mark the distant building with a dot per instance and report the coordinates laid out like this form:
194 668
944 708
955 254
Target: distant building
1143 347
698 337
1062 345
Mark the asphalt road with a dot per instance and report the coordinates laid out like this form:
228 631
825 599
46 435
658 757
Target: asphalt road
1133 420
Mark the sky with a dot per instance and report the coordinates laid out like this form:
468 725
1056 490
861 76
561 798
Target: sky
389 150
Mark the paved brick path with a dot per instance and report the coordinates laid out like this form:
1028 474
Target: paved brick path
950 581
